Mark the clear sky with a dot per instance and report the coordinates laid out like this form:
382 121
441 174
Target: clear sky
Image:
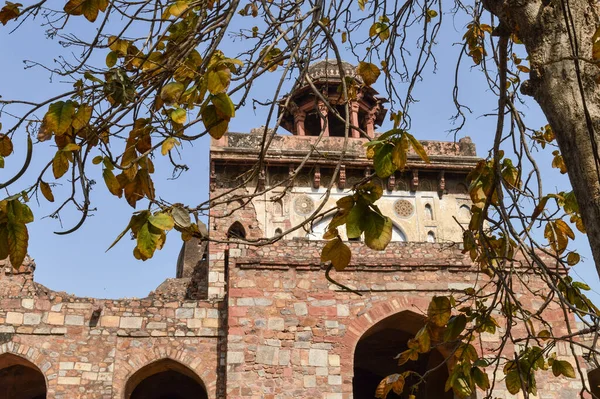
78 263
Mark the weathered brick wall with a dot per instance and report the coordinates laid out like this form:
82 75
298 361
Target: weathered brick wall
292 334
88 348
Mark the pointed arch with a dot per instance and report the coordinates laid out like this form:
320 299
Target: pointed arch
165 379
374 359
20 378
236 230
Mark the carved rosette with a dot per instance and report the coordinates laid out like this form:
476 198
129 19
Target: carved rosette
304 205
404 208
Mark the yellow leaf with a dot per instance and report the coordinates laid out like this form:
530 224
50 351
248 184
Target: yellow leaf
46 191
88 8
439 310
361 4
147 240
162 221
218 80
112 183
368 72
82 117
59 117
179 116
9 11
6 145
171 92
418 147
178 8
60 164
338 253
168 145
563 367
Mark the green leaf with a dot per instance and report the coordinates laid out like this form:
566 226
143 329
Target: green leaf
439 310
456 326
382 161
111 59
338 253
162 221
147 241
399 154
213 122
18 240
513 382
71 147
368 72
481 378
171 92
18 212
378 230
224 105
353 223
370 192
59 117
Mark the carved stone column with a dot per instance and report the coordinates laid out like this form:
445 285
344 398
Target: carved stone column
324 118
354 107
299 118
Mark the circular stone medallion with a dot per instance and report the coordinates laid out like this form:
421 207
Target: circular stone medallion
304 205
403 208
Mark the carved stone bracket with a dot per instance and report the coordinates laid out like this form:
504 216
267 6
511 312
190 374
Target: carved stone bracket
442 184
213 177
391 183
414 183
261 179
291 170
342 177
317 178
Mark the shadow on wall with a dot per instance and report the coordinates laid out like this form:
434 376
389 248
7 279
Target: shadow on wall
165 379
374 360
20 379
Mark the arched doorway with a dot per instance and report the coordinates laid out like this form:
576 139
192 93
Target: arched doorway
374 360
20 379
165 379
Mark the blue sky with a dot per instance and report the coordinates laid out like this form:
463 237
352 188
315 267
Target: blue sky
78 263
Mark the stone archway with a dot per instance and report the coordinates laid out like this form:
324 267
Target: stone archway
374 359
20 379
165 379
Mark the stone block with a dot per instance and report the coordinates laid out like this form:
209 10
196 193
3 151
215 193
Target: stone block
184 313
235 357
56 318
300 309
14 318
74 320
27 303
110 321
32 318
69 380
267 355
275 323
317 358
155 325
131 322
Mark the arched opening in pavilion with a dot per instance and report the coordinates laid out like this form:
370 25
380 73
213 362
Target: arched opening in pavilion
374 360
20 379
165 379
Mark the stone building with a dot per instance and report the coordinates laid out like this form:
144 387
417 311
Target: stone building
251 322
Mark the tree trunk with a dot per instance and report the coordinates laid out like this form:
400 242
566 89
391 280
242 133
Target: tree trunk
554 84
